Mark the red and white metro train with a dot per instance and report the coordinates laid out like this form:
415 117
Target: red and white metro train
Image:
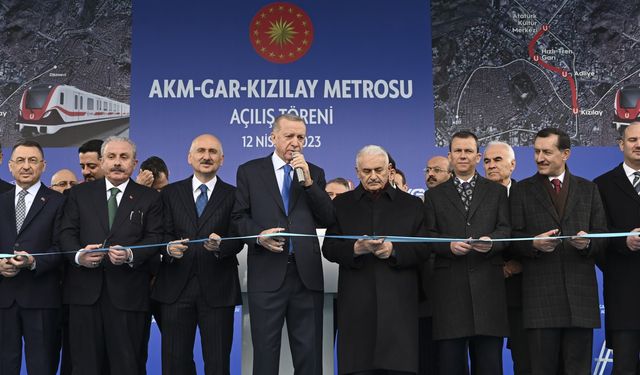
47 108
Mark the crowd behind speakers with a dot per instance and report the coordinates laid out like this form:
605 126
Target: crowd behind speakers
84 274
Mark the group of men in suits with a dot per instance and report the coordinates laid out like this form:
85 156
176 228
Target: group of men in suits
108 230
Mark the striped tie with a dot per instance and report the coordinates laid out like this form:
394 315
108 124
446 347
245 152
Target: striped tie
636 181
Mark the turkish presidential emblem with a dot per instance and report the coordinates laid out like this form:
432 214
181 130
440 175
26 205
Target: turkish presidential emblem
281 32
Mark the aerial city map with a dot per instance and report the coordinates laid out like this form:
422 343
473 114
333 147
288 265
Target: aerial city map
65 70
505 69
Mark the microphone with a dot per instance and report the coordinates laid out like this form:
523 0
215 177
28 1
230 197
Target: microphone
299 172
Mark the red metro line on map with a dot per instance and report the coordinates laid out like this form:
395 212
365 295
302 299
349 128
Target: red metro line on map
47 108
564 73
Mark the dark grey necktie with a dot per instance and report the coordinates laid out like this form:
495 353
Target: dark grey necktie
636 181
21 209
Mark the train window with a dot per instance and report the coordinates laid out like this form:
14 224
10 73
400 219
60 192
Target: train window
81 100
37 96
61 98
75 102
90 104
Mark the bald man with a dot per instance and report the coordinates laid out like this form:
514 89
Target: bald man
62 180
198 284
437 171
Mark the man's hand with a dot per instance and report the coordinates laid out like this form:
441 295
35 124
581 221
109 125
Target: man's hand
272 243
482 244
177 248
118 255
633 242
512 267
213 243
90 260
7 269
361 247
580 243
22 259
460 248
145 177
384 250
299 162
548 245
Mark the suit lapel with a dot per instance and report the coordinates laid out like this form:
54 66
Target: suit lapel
621 180
270 182
540 193
217 197
39 202
126 205
572 195
451 193
9 202
185 195
100 199
478 195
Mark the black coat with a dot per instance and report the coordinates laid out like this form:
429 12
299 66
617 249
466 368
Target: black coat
40 288
559 288
622 266
377 299
85 221
5 186
217 274
468 291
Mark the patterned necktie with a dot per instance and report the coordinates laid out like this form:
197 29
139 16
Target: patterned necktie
557 185
286 187
467 194
636 181
201 201
21 209
112 204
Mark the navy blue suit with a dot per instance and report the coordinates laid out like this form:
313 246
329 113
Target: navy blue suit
30 301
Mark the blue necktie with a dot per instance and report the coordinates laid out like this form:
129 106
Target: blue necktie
286 191
201 201
286 187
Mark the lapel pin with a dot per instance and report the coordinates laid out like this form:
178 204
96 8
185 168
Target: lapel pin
42 199
131 197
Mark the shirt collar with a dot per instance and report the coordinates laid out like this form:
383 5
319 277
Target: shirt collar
195 183
33 189
561 177
122 187
628 170
278 163
388 190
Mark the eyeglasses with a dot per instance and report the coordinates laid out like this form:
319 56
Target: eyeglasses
31 161
434 170
64 184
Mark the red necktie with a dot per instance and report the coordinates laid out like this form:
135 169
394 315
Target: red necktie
557 185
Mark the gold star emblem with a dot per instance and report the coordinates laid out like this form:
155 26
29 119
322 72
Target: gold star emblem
281 32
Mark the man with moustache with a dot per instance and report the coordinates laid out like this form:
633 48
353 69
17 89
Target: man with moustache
29 287
378 279
619 191
469 303
108 291
63 180
198 284
437 171
4 185
90 155
499 164
284 274
559 288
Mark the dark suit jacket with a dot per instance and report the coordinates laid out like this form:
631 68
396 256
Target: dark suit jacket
513 284
377 298
217 273
621 267
559 288
468 291
5 186
259 206
85 221
40 288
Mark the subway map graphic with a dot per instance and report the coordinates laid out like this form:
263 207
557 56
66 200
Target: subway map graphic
508 68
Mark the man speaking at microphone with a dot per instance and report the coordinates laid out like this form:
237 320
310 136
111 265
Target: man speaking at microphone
282 192
108 292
